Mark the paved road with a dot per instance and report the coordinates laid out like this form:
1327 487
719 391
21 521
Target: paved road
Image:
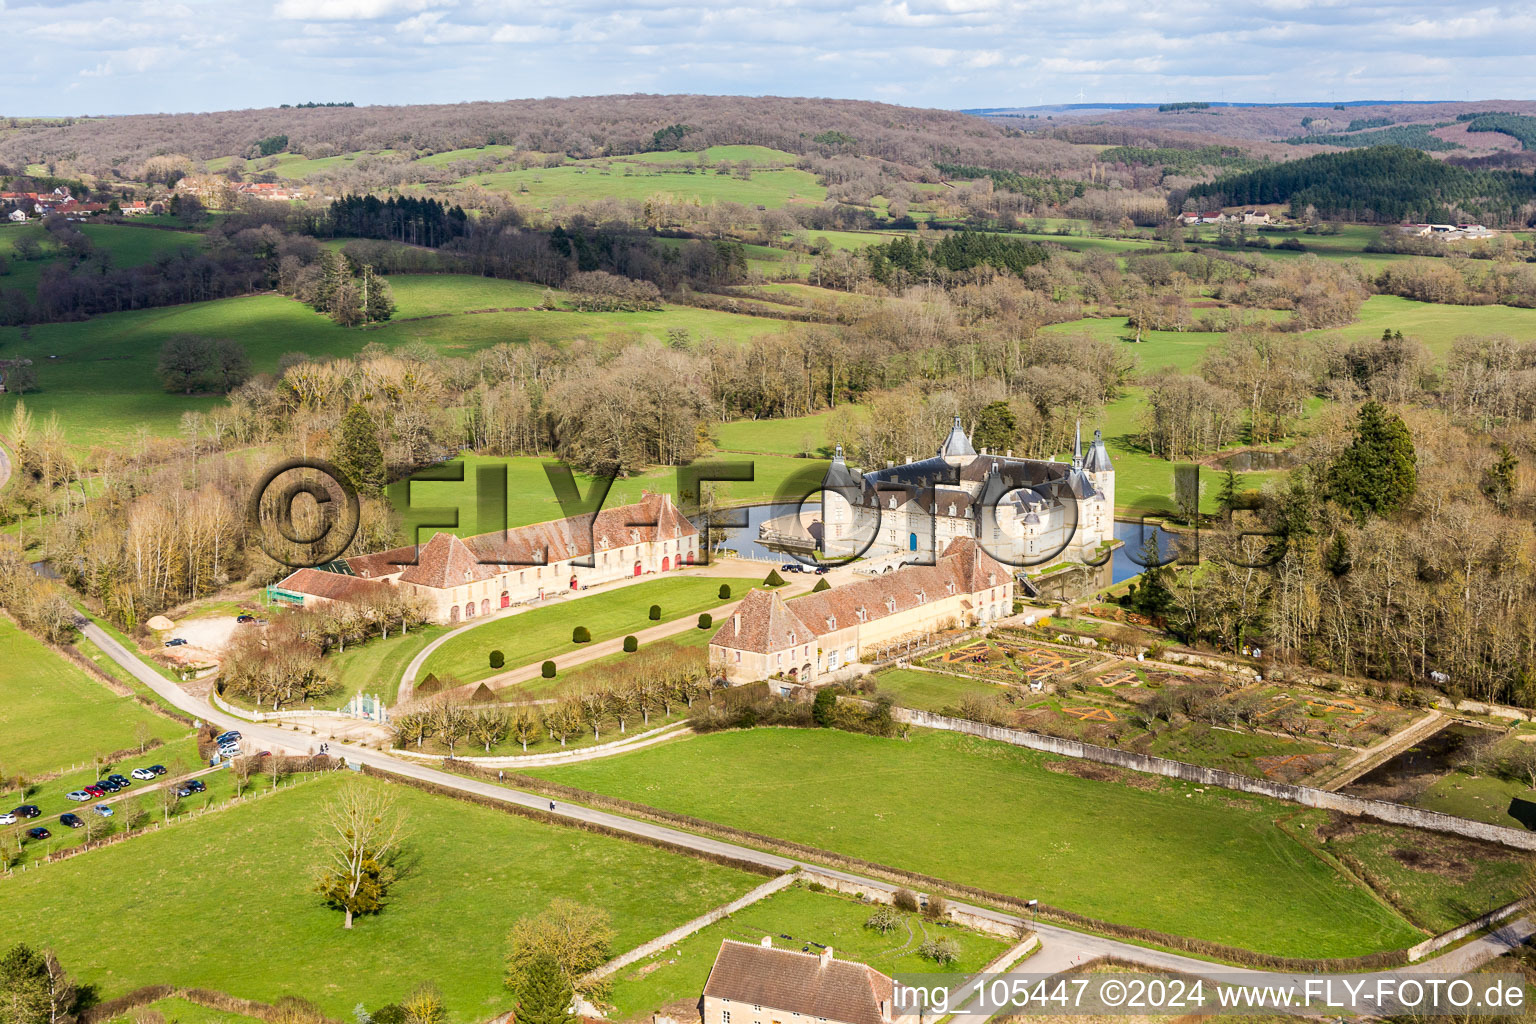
1061 947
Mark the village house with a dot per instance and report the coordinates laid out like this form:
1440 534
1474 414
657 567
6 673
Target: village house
761 984
463 578
822 633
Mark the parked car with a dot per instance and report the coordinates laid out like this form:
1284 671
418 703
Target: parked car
95 790
72 820
227 737
176 641
822 570
157 769
197 786
27 811
120 779
183 791
103 810
79 796
143 774
791 567
39 833
8 818
243 618
107 785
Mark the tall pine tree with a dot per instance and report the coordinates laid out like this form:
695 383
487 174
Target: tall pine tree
357 453
1377 473
544 995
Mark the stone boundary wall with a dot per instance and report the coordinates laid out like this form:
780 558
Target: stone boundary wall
270 716
1477 924
1380 810
686 929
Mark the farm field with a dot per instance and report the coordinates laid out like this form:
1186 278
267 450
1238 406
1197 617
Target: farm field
677 974
545 632
1243 882
99 375
424 504
452 896
547 187
53 714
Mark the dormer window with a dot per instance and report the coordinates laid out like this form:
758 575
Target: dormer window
893 501
949 588
831 622
791 636
951 510
863 613
890 604
922 597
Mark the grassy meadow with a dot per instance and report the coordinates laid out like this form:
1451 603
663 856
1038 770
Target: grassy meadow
252 865
54 715
1152 853
127 245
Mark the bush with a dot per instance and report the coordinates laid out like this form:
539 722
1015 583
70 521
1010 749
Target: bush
705 621
581 635
773 579
725 591
941 951
824 708
548 670
936 909
631 645
498 659
655 613
389 1013
821 585
904 899
883 920
429 685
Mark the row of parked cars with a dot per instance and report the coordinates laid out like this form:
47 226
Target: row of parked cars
819 570
113 783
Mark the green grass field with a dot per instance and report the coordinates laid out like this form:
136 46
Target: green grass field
1157 854
53 715
248 868
531 499
689 641
376 666
677 974
99 375
794 436
541 633
931 691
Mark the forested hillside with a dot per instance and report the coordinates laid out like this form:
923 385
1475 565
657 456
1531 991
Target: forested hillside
1381 183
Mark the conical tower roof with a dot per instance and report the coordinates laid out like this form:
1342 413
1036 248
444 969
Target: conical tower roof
957 443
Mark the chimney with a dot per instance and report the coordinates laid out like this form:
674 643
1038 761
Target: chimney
983 449
1010 453
826 956
909 460
736 624
889 464
767 942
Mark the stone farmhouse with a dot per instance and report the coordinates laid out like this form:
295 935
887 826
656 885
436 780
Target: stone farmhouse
1026 512
760 984
463 578
819 634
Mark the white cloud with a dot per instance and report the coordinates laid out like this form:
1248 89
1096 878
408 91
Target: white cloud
350 10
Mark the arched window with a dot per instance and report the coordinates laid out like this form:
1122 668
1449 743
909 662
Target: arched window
453 614
506 599
469 610
666 563
485 606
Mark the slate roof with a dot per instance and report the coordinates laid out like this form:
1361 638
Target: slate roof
796 982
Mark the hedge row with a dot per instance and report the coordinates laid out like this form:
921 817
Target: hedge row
105 1011
899 876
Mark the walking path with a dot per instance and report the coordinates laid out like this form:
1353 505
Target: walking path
1060 945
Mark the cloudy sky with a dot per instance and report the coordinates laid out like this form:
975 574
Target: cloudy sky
132 56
